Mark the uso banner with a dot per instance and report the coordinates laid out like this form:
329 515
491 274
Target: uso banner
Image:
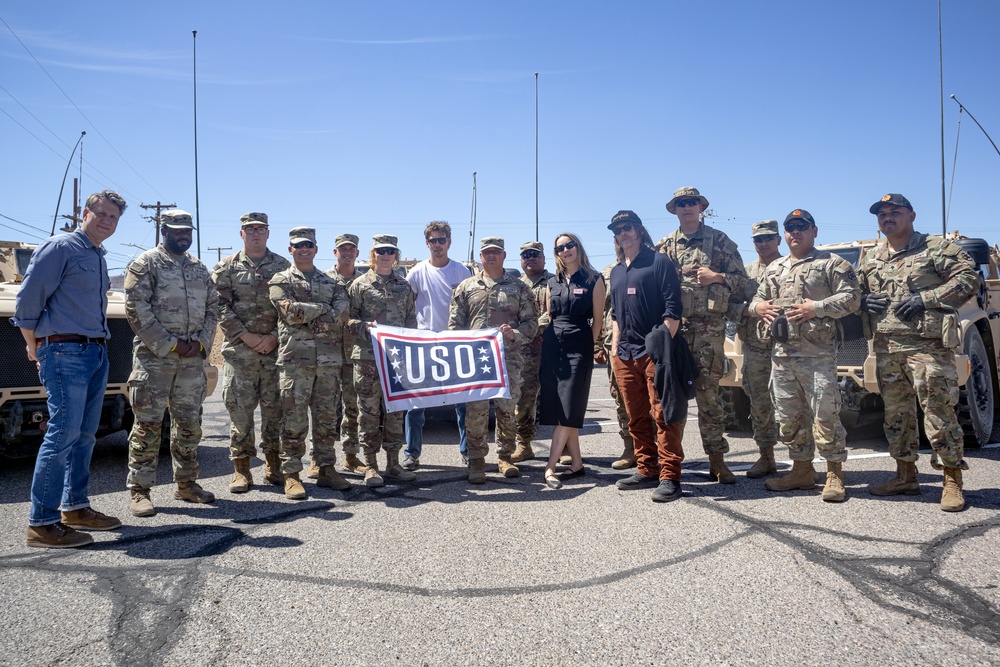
424 369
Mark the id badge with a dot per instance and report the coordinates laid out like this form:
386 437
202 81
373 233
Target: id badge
631 291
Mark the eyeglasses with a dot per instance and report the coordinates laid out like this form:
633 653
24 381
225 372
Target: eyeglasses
684 203
303 244
385 251
440 240
255 230
765 239
627 227
797 226
530 254
566 246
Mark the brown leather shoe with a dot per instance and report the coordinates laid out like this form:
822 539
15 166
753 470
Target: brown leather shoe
89 519
56 536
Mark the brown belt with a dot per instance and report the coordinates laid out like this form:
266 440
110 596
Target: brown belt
70 338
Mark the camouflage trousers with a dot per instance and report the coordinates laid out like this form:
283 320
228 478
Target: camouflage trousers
527 404
251 379
477 419
705 337
929 379
155 385
807 400
347 422
372 413
620 410
757 385
308 391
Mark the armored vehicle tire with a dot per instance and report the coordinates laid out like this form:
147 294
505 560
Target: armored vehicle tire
976 402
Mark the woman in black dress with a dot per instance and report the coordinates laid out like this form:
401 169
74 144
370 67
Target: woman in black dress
573 297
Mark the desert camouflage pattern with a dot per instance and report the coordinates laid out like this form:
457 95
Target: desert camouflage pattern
376 427
757 348
807 402
386 300
308 390
346 425
620 412
532 357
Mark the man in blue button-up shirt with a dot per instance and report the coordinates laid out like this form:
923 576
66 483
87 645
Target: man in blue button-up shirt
61 311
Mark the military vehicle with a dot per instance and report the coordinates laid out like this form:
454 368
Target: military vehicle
23 409
977 359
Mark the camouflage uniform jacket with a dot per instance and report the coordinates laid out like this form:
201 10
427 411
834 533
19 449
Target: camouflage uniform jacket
753 332
828 280
244 296
311 317
538 287
168 299
384 299
605 341
347 340
939 270
480 302
710 248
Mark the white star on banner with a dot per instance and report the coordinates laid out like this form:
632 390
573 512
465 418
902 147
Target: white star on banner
487 369
396 363
483 350
398 379
394 351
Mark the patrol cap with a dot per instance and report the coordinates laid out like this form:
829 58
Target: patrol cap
897 199
687 192
764 228
253 218
344 239
177 219
533 245
300 234
490 242
622 217
800 214
385 241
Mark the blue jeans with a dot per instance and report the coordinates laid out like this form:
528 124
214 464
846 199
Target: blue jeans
414 429
75 376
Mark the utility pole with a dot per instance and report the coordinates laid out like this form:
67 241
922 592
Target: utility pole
156 218
220 252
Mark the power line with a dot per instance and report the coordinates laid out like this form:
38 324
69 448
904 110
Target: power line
37 229
30 132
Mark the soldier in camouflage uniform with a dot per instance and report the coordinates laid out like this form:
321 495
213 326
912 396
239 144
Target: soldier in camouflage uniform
757 347
802 296
536 278
916 283
250 325
603 356
380 296
346 424
492 299
312 311
711 271
171 305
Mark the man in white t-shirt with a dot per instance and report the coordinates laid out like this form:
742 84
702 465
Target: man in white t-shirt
433 281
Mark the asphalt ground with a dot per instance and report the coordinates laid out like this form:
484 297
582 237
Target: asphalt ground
437 572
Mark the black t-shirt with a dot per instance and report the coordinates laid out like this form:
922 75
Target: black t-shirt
643 294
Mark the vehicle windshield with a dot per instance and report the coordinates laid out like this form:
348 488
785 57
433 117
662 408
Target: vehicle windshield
23 258
852 255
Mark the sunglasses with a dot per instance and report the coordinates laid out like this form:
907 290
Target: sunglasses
765 239
530 254
684 203
627 227
303 244
385 251
440 240
797 226
566 246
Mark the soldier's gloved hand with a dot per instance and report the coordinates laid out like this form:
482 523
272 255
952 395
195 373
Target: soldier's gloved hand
779 328
911 307
875 303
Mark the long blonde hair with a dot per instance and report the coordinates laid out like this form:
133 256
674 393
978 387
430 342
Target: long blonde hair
588 270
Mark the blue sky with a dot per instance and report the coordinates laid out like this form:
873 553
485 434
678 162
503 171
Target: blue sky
371 117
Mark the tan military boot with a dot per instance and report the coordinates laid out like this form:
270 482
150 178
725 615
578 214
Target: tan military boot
627 459
353 464
330 478
396 471
508 469
523 452
193 493
719 470
140 503
293 487
565 459
313 471
272 469
833 491
802 476
477 471
764 466
952 499
242 478
372 478
904 482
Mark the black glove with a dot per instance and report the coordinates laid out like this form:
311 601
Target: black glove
874 303
913 306
779 328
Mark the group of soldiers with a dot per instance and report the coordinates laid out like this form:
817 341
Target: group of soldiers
296 345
